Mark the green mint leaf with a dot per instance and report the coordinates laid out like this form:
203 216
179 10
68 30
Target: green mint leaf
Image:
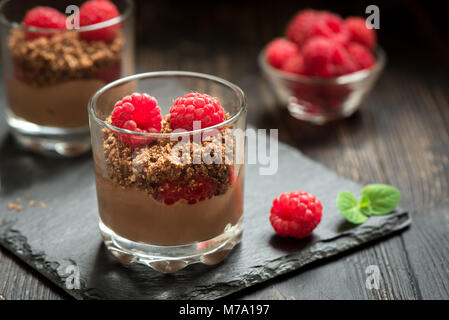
348 205
383 198
365 206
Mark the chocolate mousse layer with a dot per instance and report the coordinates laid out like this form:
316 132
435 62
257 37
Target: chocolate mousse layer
53 78
135 215
129 184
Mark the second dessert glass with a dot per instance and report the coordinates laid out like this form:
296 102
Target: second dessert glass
143 192
50 75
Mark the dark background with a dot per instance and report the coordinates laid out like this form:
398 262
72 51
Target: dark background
399 136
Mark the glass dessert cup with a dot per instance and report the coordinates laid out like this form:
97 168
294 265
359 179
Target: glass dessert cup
139 223
49 78
320 100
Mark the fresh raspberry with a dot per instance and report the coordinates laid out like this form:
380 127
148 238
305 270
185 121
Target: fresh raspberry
279 51
96 11
295 214
195 107
359 33
198 189
326 58
328 25
294 64
137 112
43 17
361 56
297 29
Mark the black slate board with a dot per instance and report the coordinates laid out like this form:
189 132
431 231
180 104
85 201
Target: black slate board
66 231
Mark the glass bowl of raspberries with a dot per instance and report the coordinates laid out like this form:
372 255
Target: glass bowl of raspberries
324 67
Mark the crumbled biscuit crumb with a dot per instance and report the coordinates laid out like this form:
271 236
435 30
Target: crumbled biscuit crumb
46 61
32 203
18 200
19 207
11 206
43 205
148 166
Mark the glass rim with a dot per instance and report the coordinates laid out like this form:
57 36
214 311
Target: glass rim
237 90
344 79
96 26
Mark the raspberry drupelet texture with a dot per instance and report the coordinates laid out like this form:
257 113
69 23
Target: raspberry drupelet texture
279 51
138 113
43 17
295 214
330 26
326 58
198 189
96 11
294 64
195 107
359 33
361 56
297 29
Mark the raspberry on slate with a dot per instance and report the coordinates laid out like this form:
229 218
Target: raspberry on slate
139 113
198 189
279 51
96 11
295 214
297 29
359 33
45 18
195 107
361 56
326 58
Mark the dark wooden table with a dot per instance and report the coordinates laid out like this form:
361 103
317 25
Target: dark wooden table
400 136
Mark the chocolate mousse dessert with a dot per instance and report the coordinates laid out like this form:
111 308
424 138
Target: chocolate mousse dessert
147 196
55 74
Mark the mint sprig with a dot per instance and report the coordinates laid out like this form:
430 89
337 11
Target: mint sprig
377 199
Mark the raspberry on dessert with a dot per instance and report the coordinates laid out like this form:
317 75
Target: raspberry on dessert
295 214
96 11
361 56
168 192
359 33
328 25
43 17
198 189
137 112
195 107
294 64
279 51
326 58
297 29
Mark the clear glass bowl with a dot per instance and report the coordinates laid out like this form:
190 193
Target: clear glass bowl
49 80
320 100
145 197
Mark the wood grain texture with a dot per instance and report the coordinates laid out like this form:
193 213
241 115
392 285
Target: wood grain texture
400 136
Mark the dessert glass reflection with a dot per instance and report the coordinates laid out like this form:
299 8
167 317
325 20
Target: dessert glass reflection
175 198
50 74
